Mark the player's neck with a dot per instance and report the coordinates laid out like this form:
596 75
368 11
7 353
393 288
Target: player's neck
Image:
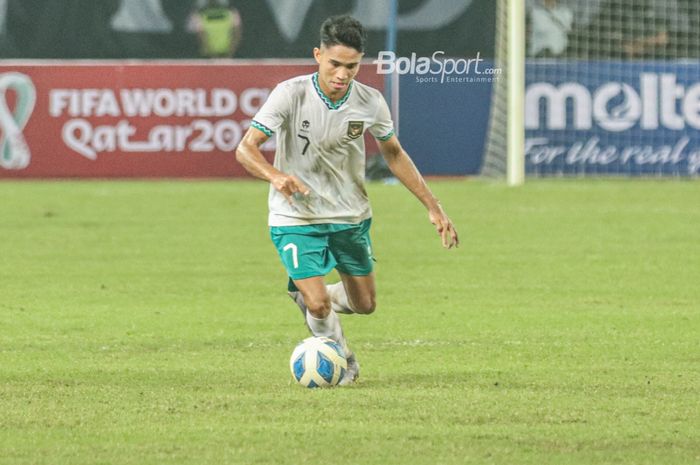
333 96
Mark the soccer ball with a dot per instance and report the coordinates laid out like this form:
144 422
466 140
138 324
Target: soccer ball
318 362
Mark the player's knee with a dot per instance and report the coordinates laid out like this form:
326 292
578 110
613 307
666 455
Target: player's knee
365 305
319 307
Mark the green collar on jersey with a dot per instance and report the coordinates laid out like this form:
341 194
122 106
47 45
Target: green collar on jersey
329 103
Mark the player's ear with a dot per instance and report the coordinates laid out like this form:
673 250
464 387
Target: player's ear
317 55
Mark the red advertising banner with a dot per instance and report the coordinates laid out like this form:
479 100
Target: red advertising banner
134 119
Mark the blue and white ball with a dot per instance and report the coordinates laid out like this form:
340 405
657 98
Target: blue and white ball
318 362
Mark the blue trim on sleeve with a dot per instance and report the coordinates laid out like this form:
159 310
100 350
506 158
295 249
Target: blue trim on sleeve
387 137
261 127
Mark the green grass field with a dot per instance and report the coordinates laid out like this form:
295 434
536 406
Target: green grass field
147 323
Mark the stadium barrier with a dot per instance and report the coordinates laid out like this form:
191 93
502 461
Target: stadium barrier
183 119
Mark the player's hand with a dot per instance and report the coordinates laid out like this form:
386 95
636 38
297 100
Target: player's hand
444 227
289 185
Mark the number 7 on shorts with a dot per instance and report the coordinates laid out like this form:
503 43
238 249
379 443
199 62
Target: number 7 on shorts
295 258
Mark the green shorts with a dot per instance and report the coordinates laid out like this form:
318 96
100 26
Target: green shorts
314 250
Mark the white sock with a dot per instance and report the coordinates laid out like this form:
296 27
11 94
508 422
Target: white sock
339 298
327 327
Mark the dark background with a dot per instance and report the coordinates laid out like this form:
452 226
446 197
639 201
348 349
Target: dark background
81 29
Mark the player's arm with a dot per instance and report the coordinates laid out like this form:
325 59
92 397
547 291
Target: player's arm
405 171
249 155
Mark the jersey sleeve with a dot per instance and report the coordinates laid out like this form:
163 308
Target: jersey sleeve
274 111
383 127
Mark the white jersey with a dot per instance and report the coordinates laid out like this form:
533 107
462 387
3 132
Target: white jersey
322 143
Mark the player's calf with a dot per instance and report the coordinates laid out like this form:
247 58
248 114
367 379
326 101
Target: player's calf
364 304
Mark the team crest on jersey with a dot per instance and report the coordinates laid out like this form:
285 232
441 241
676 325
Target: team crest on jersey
355 129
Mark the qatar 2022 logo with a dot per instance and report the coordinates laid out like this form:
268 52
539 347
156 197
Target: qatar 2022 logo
14 151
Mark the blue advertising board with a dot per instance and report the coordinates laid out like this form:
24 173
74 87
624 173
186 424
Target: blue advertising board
630 118
444 118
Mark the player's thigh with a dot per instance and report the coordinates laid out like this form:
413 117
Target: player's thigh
361 292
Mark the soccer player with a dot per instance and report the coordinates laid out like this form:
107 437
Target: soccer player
320 215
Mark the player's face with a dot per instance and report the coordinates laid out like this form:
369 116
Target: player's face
337 66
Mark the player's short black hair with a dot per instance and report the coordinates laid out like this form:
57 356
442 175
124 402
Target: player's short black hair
343 30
